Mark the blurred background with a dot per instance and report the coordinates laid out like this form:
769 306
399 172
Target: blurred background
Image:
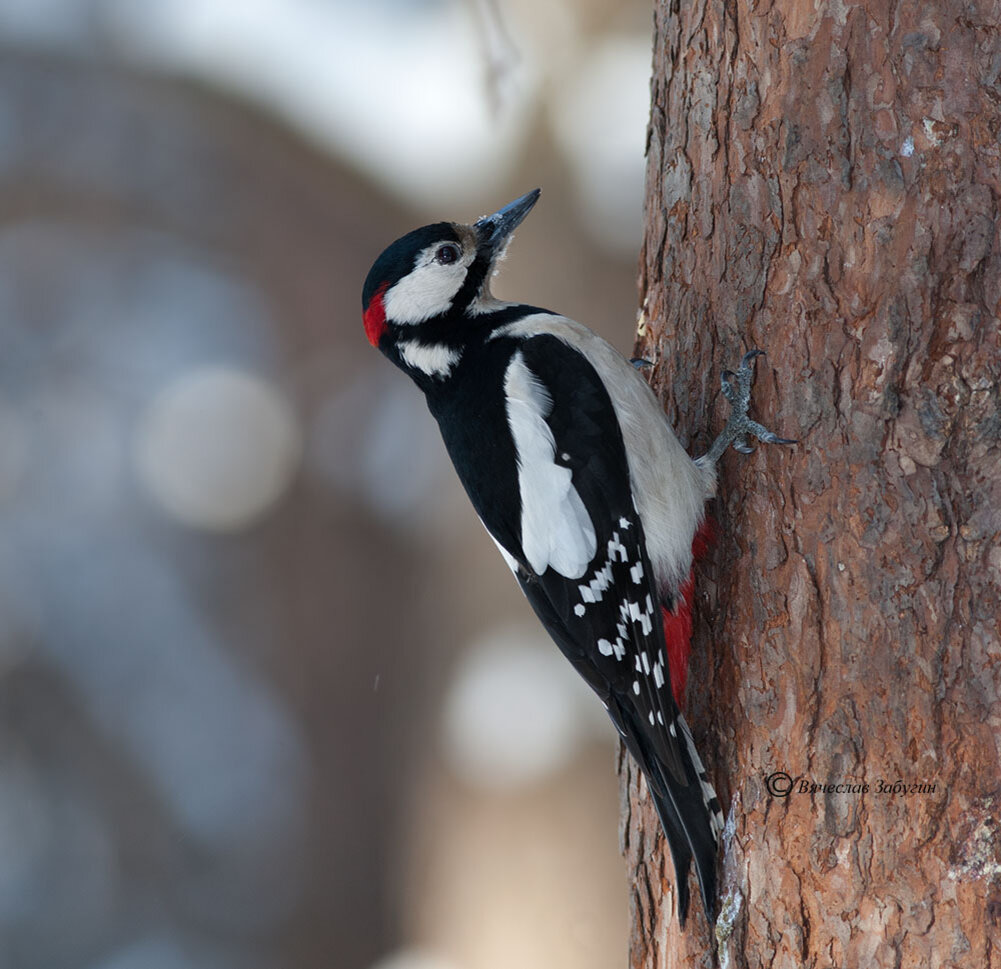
268 696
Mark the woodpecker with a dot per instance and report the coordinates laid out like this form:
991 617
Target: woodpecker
574 471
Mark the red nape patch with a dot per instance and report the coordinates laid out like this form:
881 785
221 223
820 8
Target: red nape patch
678 624
375 317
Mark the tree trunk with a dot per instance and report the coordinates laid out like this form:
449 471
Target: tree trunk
823 183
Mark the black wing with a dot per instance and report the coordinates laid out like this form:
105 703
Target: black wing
608 622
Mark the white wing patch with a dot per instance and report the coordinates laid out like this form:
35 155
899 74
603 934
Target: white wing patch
669 488
556 531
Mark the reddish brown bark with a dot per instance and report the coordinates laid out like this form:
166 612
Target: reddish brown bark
823 183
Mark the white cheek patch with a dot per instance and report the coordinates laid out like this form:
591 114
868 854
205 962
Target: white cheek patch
435 359
427 290
556 530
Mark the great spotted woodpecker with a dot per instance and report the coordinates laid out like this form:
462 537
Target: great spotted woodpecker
574 471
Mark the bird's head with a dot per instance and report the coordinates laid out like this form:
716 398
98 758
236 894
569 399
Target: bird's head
437 273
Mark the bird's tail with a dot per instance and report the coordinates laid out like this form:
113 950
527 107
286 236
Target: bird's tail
692 820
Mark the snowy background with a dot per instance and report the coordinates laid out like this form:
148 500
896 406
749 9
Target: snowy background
268 698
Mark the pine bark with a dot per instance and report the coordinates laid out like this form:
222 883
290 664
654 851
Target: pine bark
823 183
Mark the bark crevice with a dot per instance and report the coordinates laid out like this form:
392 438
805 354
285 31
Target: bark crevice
823 183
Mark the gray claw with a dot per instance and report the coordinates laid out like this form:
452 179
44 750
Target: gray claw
767 436
739 428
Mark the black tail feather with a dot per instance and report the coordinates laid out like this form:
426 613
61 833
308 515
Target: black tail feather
689 813
690 826
681 852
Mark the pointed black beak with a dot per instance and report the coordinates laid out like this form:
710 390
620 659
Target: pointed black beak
495 229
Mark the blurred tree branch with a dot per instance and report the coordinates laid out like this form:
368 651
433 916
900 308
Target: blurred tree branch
500 52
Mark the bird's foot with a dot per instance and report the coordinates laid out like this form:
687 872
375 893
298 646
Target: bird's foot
740 428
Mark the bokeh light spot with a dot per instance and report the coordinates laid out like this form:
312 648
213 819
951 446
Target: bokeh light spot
217 448
513 713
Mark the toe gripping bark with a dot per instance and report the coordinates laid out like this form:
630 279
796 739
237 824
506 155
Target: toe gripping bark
740 428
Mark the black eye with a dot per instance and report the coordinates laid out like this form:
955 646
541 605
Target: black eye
446 255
